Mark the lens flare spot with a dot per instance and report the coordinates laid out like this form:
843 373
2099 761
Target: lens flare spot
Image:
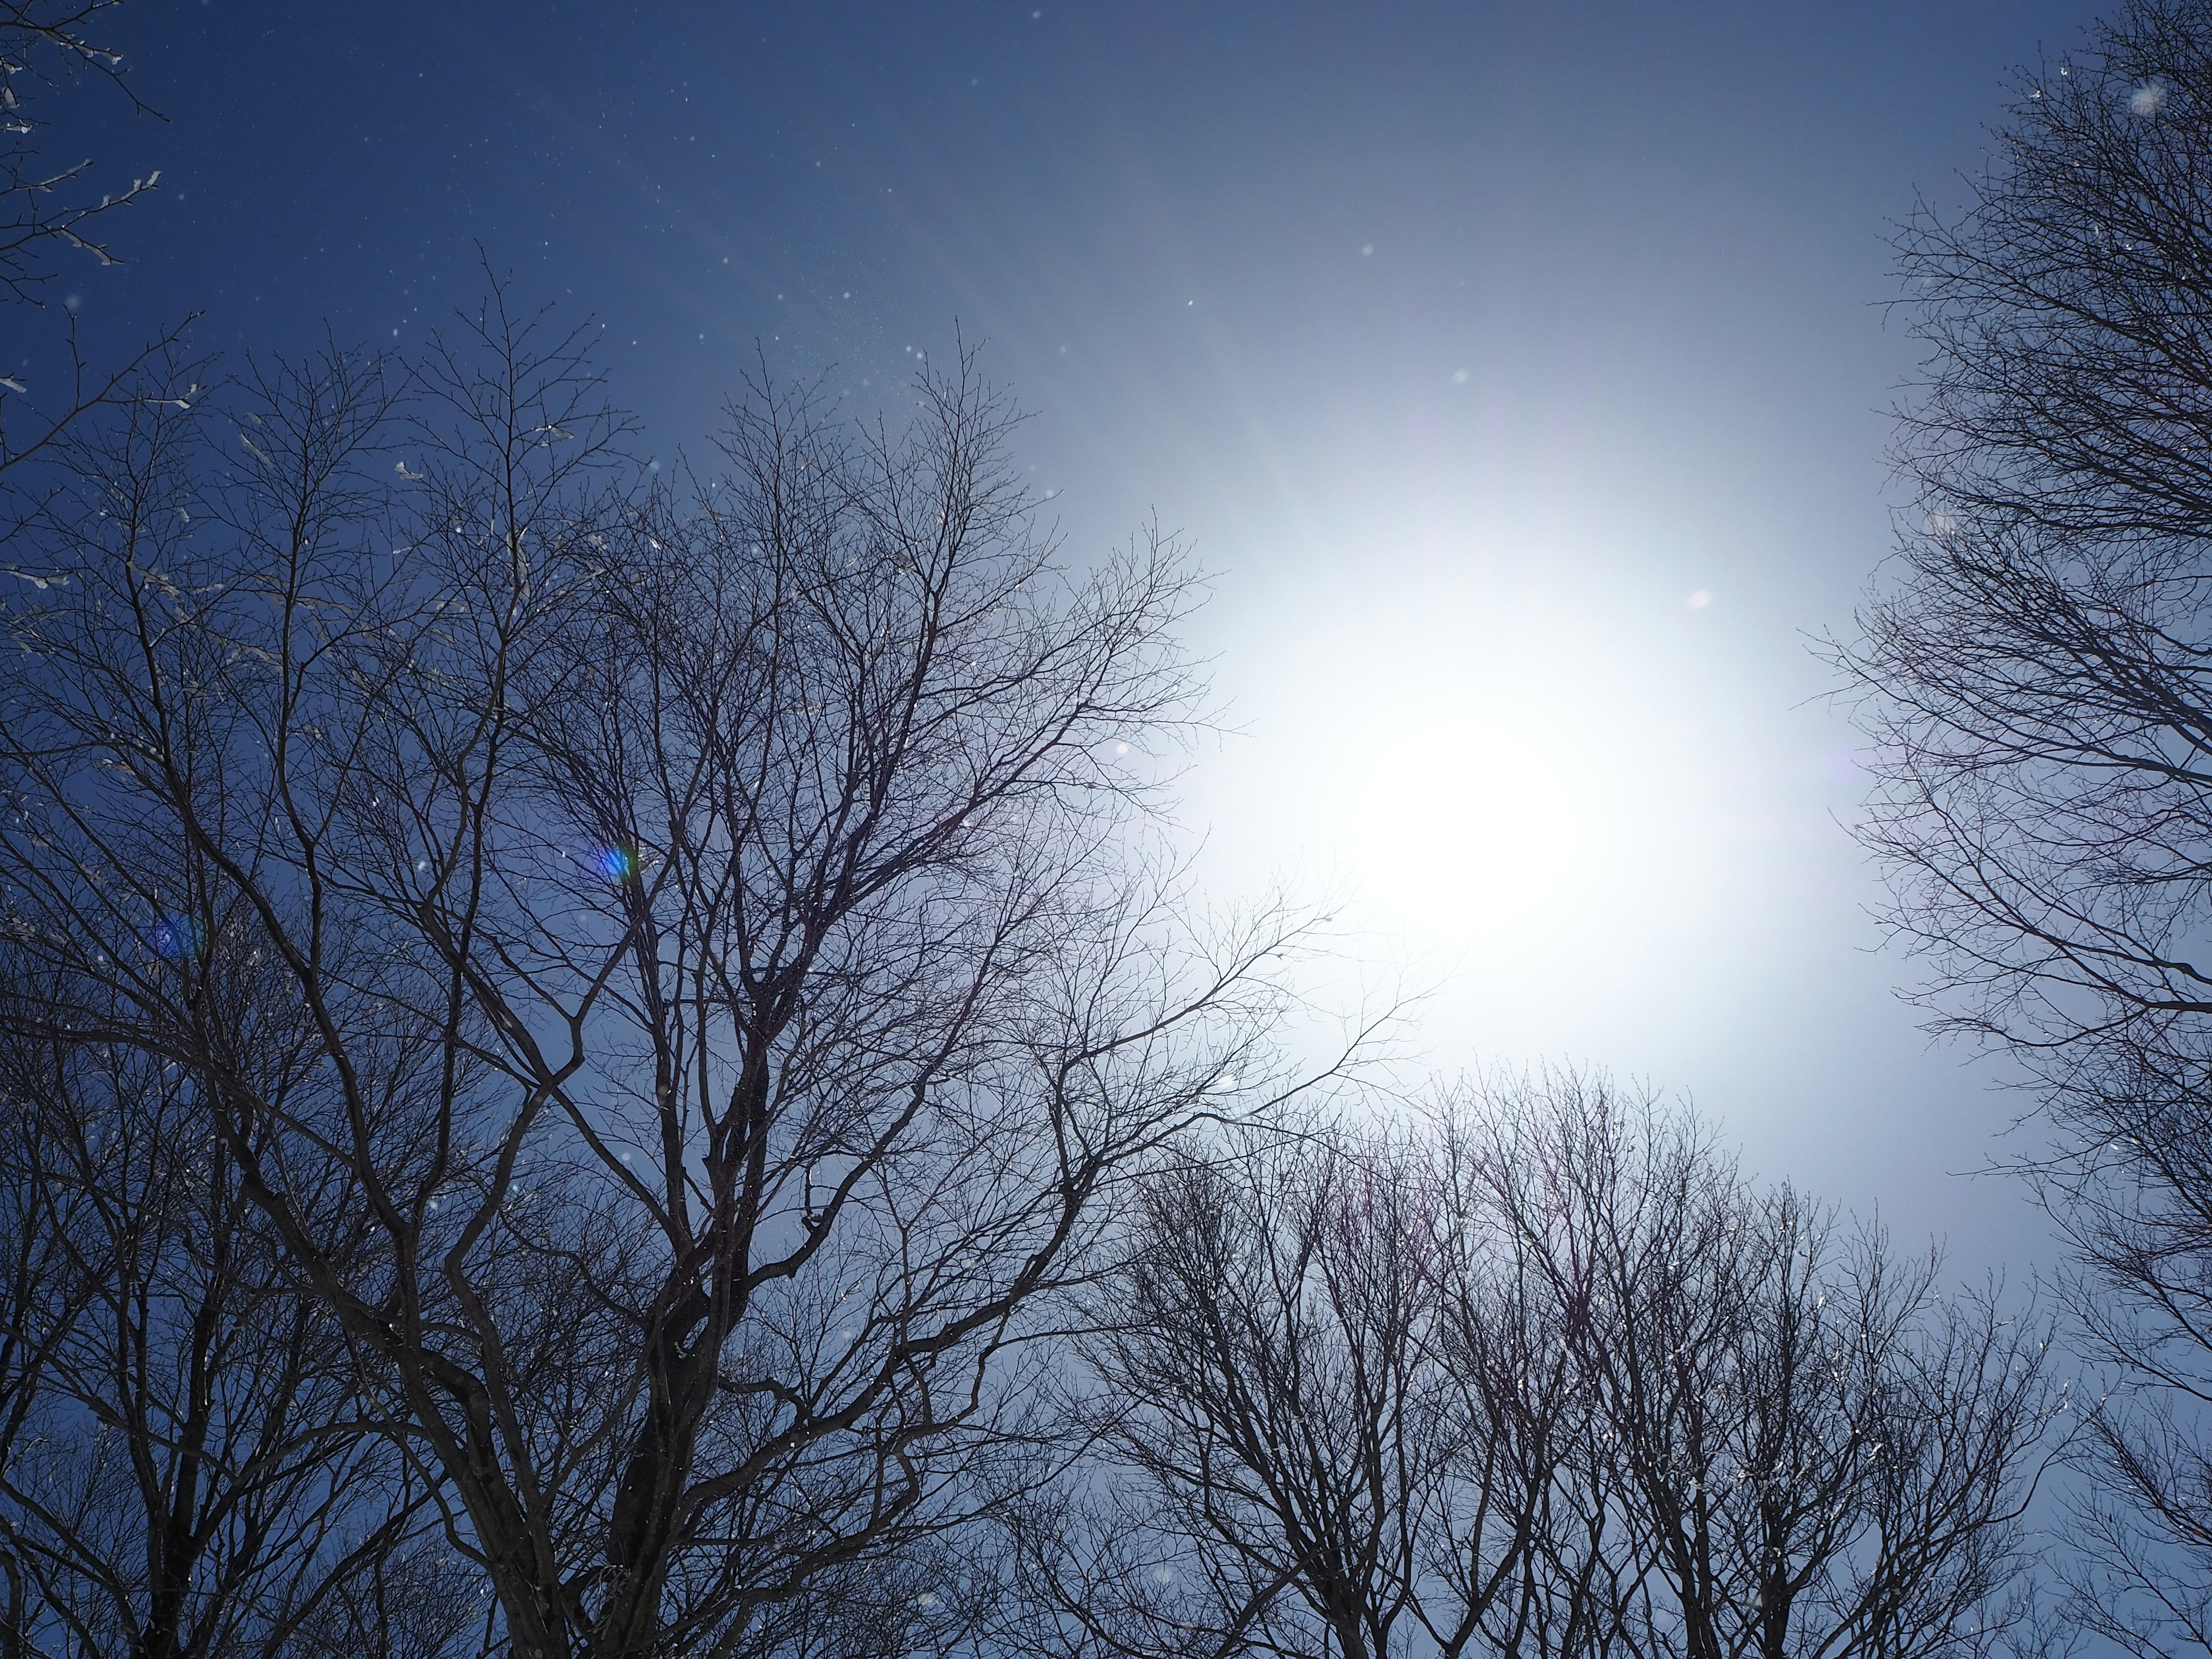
177 937
616 863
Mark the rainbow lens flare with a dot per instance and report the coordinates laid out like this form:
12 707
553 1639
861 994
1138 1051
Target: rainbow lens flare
616 864
177 937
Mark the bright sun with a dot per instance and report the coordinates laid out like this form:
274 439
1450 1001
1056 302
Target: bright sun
1535 785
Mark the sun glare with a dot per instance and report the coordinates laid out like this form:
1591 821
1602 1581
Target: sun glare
1532 801
1533 787
1469 814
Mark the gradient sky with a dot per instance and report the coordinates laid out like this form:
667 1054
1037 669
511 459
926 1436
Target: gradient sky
1521 370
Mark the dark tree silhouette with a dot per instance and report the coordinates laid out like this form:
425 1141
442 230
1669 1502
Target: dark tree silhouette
710 916
2035 679
46 210
1806 1448
1548 1376
187 1472
1328 1423
48 214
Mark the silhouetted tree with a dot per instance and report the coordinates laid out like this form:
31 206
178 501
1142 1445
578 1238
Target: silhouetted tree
709 921
48 213
47 1231
2036 680
1548 1376
187 1474
1808 1450
1328 1423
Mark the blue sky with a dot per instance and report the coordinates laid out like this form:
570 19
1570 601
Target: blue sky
1520 369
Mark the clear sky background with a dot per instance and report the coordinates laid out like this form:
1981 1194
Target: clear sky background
1521 370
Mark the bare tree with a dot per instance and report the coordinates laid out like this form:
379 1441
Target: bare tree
1804 1449
48 212
1544 1377
2035 681
189 1477
44 42
1325 1426
45 1226
727 988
